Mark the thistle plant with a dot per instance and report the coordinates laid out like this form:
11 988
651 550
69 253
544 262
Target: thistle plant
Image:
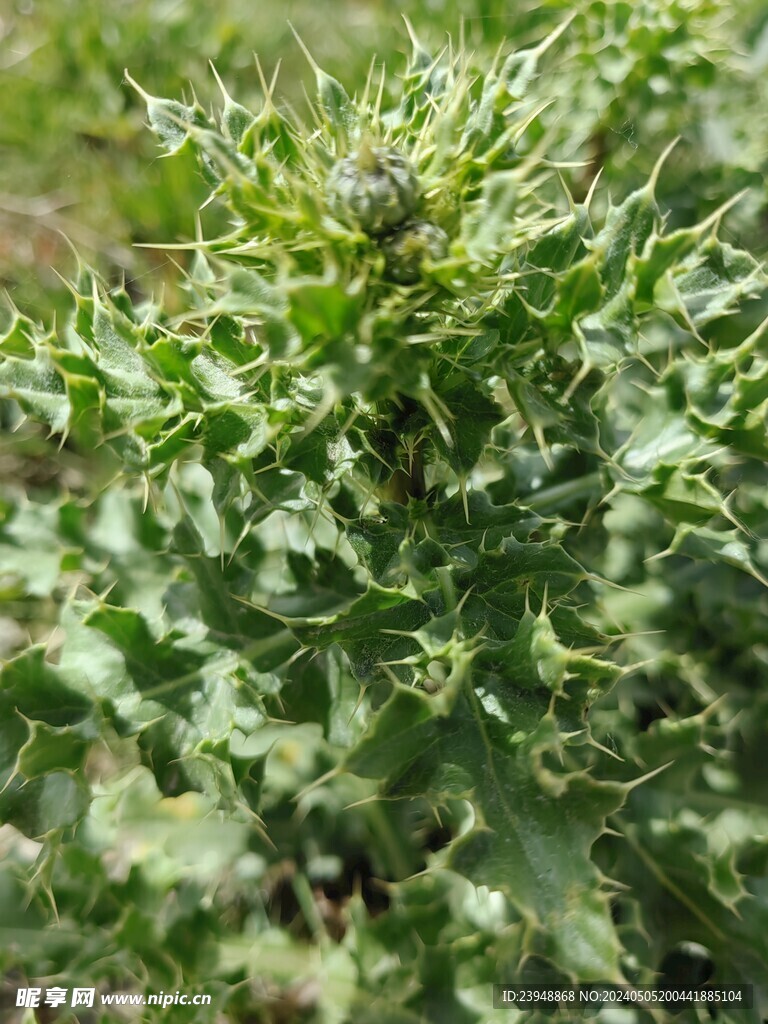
407 513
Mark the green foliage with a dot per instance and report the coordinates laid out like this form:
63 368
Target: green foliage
415 637
627 77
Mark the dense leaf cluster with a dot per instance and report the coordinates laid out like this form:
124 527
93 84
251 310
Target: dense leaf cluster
460 569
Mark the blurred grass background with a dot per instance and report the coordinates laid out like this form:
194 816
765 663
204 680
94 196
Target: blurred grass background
76 163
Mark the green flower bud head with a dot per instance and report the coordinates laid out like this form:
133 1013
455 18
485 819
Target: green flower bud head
408 247
376 187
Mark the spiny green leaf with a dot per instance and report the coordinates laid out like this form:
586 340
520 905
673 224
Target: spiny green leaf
472 416
530 839
28 374
56 800
710 282
627 229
